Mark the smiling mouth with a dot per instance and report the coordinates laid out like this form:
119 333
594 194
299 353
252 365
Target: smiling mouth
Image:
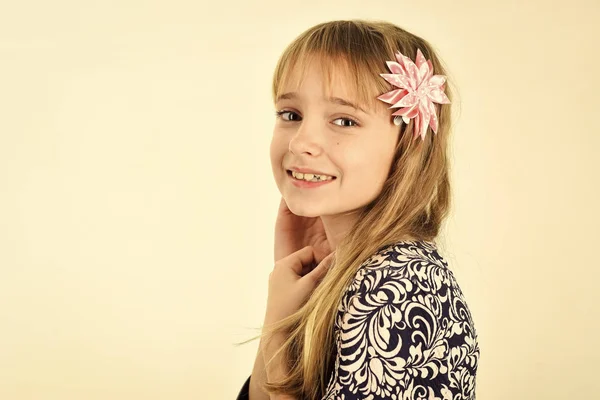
289 173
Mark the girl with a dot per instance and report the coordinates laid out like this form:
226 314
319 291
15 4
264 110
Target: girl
361 304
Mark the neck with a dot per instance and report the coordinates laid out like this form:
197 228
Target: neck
337 226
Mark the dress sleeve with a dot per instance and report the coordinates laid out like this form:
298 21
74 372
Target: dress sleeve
391 340
245 390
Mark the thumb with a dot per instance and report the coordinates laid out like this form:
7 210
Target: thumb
320 270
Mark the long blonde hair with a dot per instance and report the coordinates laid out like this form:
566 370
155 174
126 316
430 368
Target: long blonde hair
412 205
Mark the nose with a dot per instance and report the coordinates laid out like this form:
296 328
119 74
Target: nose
307 139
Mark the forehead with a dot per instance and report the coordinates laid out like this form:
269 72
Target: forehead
318 75
330 78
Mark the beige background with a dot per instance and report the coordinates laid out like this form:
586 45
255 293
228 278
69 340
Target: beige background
137 203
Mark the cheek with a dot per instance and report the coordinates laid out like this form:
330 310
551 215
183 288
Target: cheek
351 154
364 162
277 150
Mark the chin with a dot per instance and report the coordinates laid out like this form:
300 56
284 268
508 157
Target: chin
303 208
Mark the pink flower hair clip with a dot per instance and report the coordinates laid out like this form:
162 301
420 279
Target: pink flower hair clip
417 90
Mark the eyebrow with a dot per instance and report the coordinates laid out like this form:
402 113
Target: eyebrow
334 100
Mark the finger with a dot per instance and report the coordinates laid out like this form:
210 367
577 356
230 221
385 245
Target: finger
299 260
321 270
307 268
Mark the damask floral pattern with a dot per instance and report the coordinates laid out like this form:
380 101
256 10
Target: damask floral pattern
404 331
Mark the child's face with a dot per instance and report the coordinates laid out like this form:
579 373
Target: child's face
314 134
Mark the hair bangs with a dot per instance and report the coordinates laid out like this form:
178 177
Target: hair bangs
340 59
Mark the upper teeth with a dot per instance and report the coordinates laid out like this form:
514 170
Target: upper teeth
311 177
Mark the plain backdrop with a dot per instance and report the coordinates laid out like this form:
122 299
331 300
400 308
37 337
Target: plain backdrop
137 202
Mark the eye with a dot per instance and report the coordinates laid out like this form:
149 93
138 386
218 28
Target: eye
347 120
279 114
294 117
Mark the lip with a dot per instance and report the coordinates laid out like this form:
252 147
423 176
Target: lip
305 184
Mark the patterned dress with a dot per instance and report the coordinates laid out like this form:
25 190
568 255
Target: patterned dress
403 331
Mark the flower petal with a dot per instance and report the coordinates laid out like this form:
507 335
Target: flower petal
423 130
403 60
416 127
424 114
423 72
395 68
399 58
408 100
409 112
413 75
430 74
438 96
420 59
401 81
437 80
412 71
394 96
433 120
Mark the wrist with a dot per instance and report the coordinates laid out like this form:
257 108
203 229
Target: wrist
272 318
274 359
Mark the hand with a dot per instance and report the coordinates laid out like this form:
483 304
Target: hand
293 232
292 281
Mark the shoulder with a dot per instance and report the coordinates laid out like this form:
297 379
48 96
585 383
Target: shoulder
408 277
407 255
419 262
404 320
